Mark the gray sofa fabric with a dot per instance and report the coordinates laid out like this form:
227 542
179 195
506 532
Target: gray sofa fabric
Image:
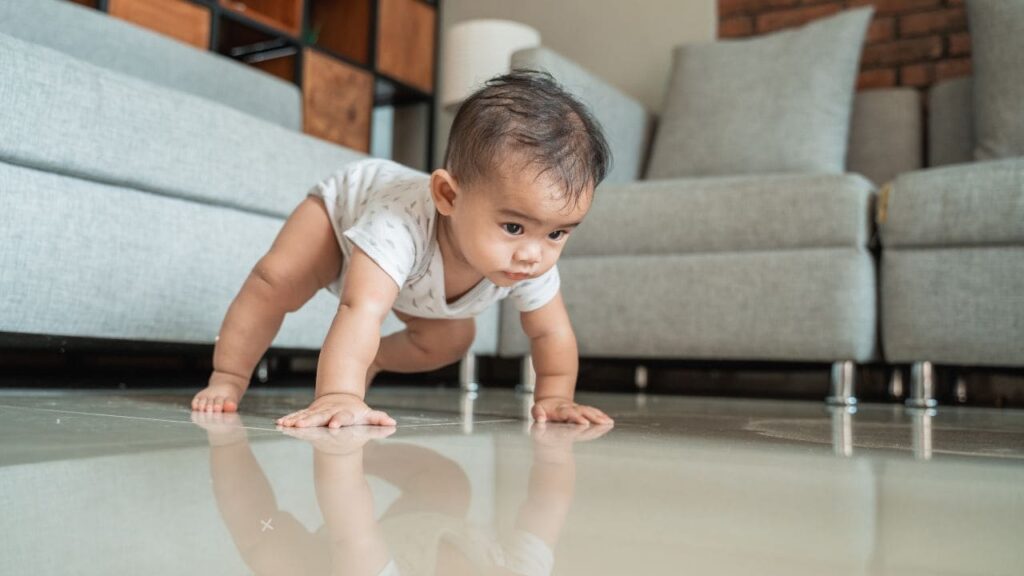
794 305
82 258
726 214
997 42
91 36
75 118
953 305
977 204
951 122
885 134
776 103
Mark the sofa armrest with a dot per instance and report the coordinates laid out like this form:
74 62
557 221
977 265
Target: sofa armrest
627 125
885 134
975 204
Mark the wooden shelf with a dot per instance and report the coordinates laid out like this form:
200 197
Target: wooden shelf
405 42
178 19
272 53
337 100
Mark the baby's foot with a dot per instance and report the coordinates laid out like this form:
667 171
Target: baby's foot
222 394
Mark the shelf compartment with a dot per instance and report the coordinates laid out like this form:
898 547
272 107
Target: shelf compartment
179 19
337 100
405 42
274 54
342 27
285 15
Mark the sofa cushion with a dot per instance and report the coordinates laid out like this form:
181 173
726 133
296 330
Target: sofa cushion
726 214
976 204
791 305
885 134
951 122
63 115
117 45
997 43
777 103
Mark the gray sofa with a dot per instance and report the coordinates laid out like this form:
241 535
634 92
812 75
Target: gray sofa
784 267
140 181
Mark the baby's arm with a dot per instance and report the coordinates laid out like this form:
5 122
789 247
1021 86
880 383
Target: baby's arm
556 361
349 349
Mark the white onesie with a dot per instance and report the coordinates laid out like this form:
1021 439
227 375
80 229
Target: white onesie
386 209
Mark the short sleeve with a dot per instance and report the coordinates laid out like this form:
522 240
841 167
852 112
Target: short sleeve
385 232
532 294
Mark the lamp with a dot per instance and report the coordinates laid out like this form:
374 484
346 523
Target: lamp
477 50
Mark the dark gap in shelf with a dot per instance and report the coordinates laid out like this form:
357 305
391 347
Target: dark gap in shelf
285 15
391 92
276 54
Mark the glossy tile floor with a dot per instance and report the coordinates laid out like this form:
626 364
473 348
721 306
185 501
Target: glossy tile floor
108 482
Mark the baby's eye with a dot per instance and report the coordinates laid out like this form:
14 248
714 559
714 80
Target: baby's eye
557 235
512 228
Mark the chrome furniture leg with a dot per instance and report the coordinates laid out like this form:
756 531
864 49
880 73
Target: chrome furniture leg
467 373
640 377
843 375
922 386
527 375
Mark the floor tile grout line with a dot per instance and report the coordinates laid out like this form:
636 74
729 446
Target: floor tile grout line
245 427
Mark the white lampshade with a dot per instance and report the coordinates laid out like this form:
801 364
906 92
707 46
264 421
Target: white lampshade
477 50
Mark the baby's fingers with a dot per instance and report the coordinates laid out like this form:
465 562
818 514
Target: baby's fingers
595 415
378 418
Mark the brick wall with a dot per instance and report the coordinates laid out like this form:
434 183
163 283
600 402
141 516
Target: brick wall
909 43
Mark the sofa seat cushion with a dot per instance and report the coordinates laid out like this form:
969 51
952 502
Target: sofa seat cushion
726 214
977 204
66 116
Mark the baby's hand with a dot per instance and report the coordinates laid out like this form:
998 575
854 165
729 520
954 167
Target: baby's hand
222 393
556 409
336 410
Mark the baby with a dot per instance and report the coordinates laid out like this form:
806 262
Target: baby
522 162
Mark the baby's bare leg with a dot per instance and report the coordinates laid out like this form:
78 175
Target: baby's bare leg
425 344
303 258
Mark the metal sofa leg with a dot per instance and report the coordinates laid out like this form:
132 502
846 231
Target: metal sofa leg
467 373
843 374
922 386
527 375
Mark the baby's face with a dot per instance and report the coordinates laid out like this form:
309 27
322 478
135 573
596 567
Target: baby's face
514 228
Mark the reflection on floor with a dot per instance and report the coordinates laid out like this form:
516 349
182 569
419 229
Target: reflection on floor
106 482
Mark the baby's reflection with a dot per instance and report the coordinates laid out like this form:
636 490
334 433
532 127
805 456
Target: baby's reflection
424 531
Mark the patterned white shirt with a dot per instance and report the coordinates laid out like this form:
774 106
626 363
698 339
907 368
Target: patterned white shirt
386 209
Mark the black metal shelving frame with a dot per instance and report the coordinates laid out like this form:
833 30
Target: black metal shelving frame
388 91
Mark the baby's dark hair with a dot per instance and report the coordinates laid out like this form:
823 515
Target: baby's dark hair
527 116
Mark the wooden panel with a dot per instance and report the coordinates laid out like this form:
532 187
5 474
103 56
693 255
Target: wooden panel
178 19
343 27
405 42
337 101
281 14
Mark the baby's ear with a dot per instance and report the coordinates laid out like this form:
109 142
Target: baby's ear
443 189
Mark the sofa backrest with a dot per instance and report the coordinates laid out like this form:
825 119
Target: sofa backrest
885 134
951 122
115 44
62 115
